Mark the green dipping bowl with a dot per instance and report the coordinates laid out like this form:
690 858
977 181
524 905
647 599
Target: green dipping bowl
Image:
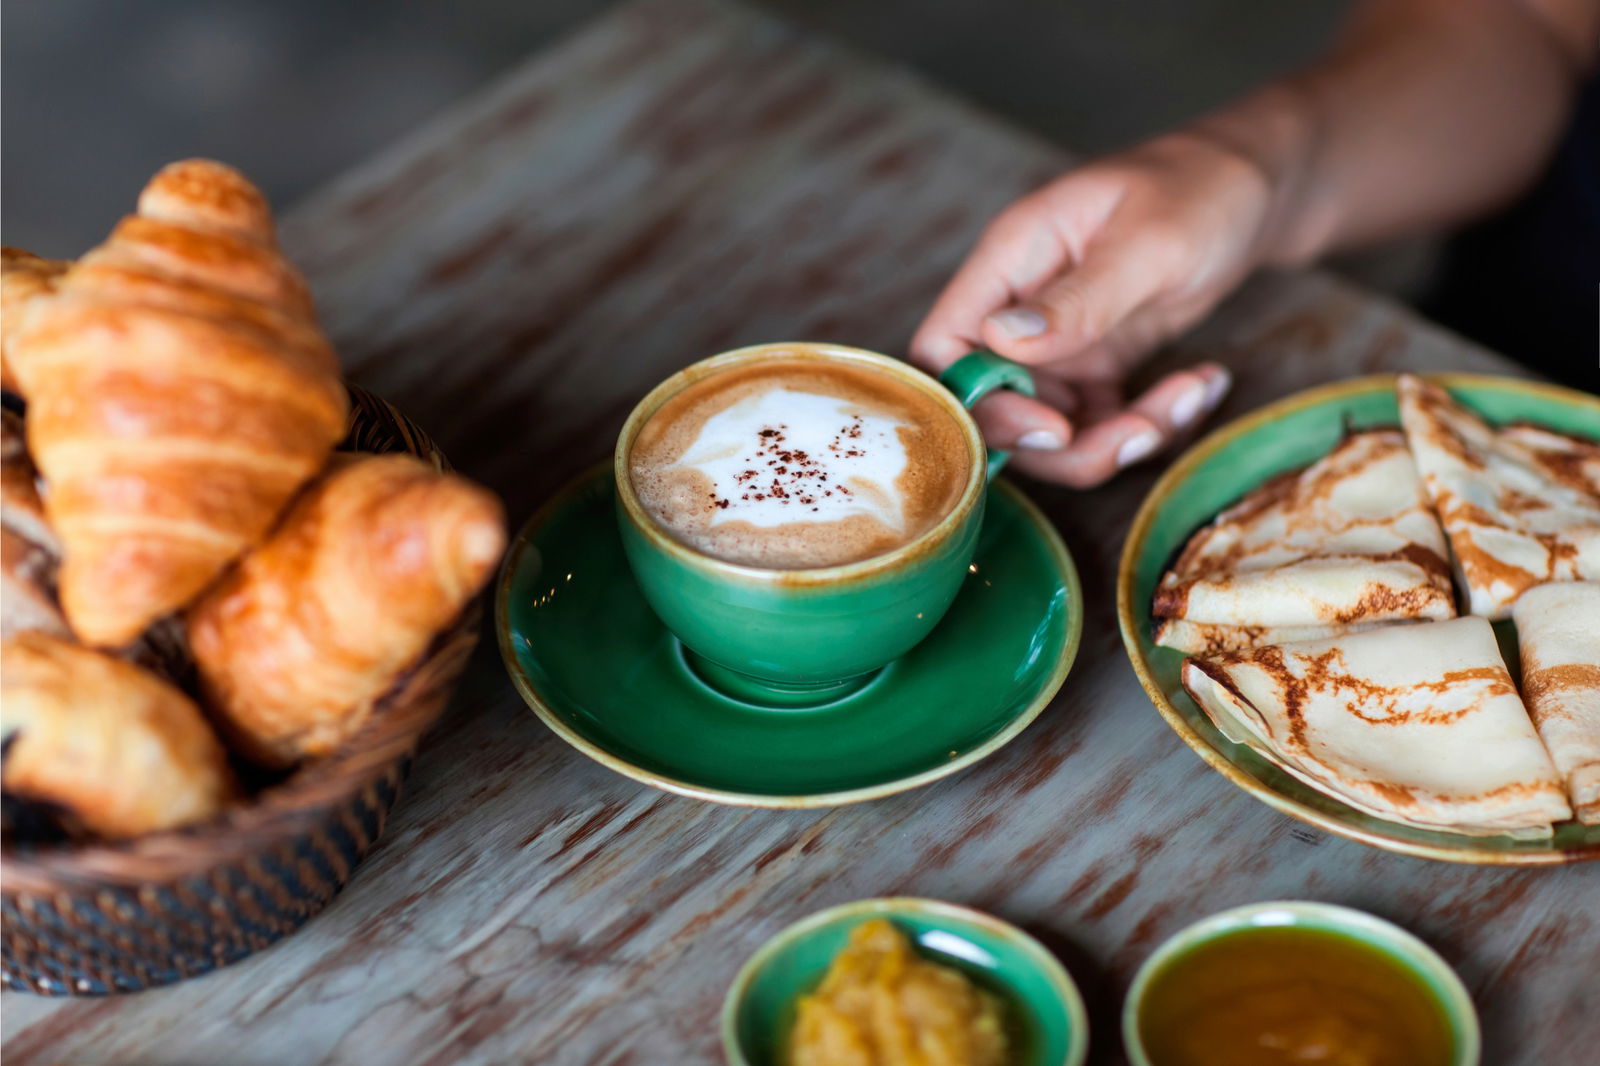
1432 973
1045 1012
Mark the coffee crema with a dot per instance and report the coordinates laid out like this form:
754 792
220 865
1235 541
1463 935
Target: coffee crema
793 464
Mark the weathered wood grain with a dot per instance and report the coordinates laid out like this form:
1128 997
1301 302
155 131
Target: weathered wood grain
680 178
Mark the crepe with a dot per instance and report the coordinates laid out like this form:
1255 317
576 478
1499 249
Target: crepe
1563 458
1206 638
1346 543
1416 724
1558 630
1521 505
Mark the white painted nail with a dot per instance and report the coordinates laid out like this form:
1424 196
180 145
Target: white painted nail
1138 447
1040 440
1019 322
1187 407
1217 387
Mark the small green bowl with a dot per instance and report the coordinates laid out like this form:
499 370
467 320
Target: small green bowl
1411 953
1044 1005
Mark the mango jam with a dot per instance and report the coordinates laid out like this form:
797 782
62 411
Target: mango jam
881 1004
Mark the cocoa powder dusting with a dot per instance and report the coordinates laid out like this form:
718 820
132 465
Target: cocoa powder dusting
796 477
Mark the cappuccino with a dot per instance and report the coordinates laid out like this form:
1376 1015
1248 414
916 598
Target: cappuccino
798 463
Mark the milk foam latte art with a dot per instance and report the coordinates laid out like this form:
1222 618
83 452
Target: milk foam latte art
793 464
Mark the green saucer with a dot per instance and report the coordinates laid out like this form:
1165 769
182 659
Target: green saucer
597 667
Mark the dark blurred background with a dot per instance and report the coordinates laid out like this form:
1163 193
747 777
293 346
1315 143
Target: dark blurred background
97 94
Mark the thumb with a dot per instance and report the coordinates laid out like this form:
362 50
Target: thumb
1074 310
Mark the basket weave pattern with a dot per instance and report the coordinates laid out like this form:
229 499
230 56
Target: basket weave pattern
116 917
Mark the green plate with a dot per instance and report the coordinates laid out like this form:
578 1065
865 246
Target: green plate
1236 458
597 667
1045 1015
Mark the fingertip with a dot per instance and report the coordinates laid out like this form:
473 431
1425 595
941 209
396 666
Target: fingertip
1020 334
1056 327
1053 467
1128 439
1041 440
1219 380
1098 454
1138 446
1010 420
1018 323
937 351
1181 399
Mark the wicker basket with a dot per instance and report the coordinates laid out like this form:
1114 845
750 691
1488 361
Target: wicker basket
95 919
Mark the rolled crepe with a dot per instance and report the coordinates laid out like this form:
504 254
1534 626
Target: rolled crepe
1521 505
1558 631
1417 724
1346 543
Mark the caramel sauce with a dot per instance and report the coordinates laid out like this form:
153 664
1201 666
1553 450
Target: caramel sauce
1278 996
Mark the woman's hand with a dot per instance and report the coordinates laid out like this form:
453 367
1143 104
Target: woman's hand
1082 278
1424 113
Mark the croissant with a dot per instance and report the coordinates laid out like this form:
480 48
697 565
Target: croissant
296 644
179 393
29 553
23 278
119 751
20 506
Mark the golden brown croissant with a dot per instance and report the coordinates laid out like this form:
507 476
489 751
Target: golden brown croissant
120 751
23 278
30 559
296 644
20 505
29 554
179 394
27 588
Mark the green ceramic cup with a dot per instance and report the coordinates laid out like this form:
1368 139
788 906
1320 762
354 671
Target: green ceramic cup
1409 953
795 638
1045 1014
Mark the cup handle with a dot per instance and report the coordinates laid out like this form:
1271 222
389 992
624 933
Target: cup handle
977 374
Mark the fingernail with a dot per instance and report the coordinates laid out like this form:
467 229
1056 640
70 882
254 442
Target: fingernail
1217 387
1019 322
1187 407
1040 440
1138 447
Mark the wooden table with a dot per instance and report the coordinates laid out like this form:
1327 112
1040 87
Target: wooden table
680 178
